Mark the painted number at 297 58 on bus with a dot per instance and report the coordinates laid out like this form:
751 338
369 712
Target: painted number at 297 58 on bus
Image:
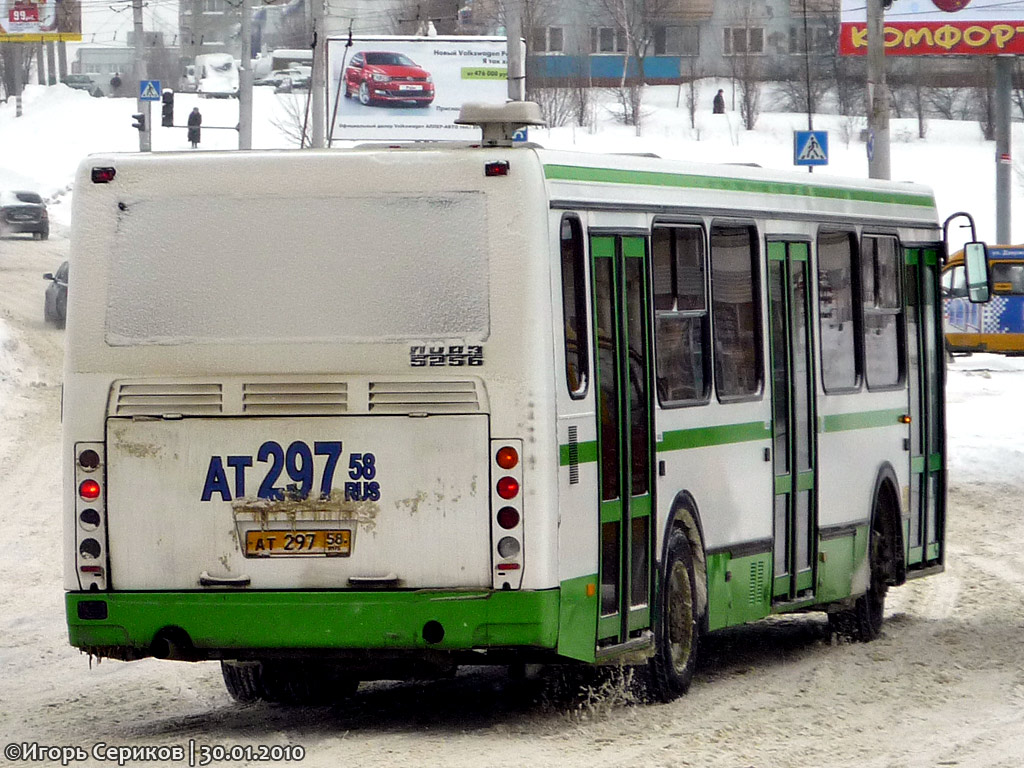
232 477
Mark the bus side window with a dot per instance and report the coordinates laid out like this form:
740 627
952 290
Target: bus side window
1007 279
882 305
574 306
837 312
954 283
682 330
737 316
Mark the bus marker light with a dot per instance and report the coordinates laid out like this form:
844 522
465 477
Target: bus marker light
507 457
89 548
496 168
508 487
507 567
508 547
103 175
88 460
591 589
96 569
508 517
89 490
905 419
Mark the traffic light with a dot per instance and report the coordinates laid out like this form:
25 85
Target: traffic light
140 121
167 120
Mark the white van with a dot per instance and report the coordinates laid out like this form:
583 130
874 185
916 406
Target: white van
217 75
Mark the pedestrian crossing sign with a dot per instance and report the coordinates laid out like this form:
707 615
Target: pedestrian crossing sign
149 90
810 147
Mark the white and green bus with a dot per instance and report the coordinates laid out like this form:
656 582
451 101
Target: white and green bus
392 410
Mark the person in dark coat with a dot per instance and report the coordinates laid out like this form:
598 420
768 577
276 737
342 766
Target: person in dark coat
194 121
719 103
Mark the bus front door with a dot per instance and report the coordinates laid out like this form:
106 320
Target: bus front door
926 377
793 419
623 360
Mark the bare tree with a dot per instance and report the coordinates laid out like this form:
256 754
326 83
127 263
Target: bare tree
634 21
690 79
983 98
746 65
293 121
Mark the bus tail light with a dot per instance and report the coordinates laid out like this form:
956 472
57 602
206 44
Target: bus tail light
90 516
507 553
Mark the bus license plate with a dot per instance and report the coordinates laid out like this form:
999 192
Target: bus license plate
293 543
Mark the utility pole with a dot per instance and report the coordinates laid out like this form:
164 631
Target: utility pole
146 134
245 80
51 64
319 79
62 59
878 95
1004 65
514 34
19 85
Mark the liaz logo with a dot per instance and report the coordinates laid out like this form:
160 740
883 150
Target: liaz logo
233 477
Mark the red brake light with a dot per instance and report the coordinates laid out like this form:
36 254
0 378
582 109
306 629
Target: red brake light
507 457
508 517
508 487
89 490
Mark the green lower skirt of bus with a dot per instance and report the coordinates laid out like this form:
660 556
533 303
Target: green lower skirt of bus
223 621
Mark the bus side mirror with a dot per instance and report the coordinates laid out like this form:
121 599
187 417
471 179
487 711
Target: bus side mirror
976 266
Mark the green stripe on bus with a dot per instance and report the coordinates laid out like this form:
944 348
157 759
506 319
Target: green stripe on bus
320 619
681 439
602 247
840 422
699 437
633 247
585 453
694 181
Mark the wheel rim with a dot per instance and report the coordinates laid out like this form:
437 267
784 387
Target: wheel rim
364 93
680 616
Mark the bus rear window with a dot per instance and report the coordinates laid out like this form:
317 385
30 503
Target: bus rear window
353 269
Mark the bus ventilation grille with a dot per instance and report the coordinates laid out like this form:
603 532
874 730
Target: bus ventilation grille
574 457
169 398
755 595
424 396
295 398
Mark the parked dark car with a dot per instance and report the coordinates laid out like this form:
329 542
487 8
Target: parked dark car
22 211
55 302
388 78
83 83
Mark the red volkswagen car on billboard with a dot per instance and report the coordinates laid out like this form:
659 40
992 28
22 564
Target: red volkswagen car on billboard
382 77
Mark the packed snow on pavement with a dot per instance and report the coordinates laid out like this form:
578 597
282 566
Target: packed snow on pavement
942 686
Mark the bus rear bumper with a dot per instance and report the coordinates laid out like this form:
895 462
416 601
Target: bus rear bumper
204 625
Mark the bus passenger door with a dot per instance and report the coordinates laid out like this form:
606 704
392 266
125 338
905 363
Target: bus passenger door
793 419
623 371
926 377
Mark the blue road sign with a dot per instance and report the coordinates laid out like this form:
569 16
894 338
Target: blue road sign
149 90
871 146
810 147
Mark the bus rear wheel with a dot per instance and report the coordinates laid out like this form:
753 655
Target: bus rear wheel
678 632
287 681
863 622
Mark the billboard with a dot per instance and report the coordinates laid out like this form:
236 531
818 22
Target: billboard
31 21
937 27
411 88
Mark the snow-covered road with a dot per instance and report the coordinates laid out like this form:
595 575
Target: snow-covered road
943 686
